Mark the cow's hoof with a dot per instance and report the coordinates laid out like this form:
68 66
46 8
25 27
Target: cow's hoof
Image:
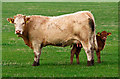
99 61
35 63
71 62
92 62
89 63
78 62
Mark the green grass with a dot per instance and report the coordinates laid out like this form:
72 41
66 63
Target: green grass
17 58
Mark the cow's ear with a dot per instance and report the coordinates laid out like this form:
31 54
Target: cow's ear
98 34
11 20
109 34
14 17
27 19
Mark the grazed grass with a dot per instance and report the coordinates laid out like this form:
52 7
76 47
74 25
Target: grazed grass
17 58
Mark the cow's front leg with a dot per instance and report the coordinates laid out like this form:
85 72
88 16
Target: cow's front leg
36 58
37 53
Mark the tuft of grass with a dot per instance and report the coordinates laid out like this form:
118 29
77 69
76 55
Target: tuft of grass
17 58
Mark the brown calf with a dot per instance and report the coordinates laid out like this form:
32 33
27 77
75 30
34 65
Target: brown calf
101 39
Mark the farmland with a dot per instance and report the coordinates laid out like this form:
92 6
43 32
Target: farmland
17 58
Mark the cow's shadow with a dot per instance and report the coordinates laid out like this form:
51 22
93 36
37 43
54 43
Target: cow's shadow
103 63
81 63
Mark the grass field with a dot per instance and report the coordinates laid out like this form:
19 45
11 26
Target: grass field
17 58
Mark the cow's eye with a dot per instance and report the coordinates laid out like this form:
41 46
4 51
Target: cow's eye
23 23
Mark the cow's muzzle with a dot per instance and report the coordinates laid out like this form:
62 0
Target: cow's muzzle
104 39
18 32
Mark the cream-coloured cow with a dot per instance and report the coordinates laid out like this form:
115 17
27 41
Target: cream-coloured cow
40 31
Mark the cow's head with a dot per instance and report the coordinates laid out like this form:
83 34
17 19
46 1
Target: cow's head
103 35
19 21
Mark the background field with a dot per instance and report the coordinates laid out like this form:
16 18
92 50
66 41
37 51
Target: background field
17 58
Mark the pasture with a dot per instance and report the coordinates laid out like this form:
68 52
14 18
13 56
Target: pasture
17 58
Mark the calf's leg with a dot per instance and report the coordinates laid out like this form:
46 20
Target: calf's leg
98 56
72 53
77 57
77 54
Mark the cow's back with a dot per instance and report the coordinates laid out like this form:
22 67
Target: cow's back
68 27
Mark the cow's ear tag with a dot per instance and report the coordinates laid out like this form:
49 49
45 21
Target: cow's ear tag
98 34
26 21
109 34
10 21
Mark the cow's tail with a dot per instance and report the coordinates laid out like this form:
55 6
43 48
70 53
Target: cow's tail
92 26
94 38
95 41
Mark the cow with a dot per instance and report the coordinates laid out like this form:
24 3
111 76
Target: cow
39 31
101 39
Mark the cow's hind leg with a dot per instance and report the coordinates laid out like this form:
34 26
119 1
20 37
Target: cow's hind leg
92 54
37 53
88 49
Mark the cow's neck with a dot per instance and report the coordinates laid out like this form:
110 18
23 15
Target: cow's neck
26 38
102 41
25 33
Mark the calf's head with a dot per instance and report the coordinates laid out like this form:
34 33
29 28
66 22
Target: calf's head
19 21
103 35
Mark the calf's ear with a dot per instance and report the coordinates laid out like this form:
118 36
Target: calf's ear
109 34
98 34
11 20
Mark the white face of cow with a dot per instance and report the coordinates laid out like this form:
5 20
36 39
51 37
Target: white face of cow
19 23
